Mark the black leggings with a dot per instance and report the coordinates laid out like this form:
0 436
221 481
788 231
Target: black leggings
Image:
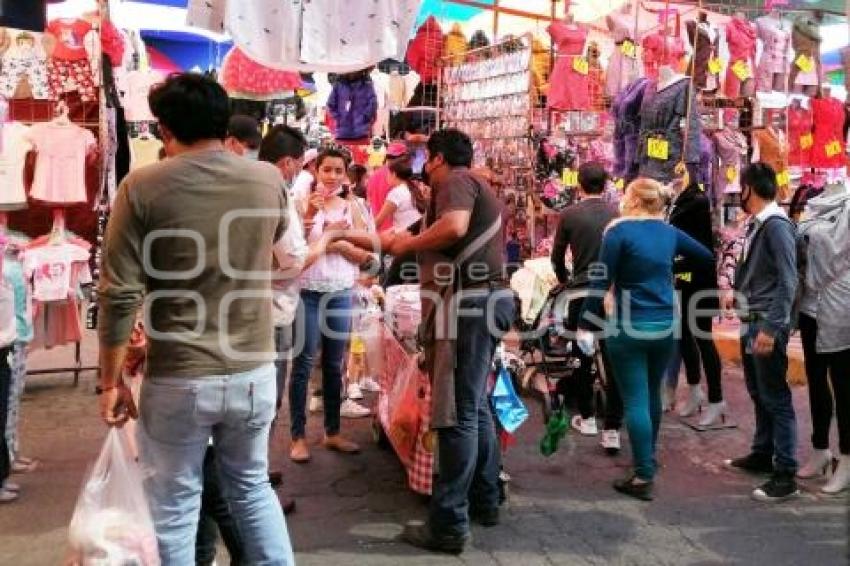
695 350
821 401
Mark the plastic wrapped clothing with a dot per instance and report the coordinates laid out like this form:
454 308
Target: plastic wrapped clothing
425 50
741 39
661 114
775 40
703 40
626 111
806 40
828 148
622 68
568 88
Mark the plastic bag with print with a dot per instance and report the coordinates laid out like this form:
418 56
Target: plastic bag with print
112 522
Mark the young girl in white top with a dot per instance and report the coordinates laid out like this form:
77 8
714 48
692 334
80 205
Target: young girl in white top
405 202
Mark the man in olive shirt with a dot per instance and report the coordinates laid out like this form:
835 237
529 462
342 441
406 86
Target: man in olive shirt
461 268
194 236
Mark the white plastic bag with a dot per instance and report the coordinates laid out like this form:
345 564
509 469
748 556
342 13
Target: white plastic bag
112 523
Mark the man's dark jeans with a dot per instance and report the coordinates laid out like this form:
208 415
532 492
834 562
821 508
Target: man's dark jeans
776 428
468 455
215 517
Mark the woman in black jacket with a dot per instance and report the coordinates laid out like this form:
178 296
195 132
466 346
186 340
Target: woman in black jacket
691 213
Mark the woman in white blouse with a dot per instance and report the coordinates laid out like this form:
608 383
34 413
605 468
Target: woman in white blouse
405 202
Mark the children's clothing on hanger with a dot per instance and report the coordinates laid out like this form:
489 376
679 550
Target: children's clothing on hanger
60 171
137 85
25 61
15 145
57 270
70 35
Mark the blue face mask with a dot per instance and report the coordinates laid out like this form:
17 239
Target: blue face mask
252 154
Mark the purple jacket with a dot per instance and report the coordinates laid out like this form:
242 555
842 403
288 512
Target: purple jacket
626 111
353 106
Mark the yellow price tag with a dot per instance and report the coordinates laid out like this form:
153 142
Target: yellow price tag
741 70
569 178
702 187
715 65
805 63
731 174
833 148
629 49
580 65
620 184
806 141
658 148
783 178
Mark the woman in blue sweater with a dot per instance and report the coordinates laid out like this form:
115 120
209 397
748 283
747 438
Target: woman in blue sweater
636 259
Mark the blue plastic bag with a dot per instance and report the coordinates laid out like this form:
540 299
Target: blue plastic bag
507 405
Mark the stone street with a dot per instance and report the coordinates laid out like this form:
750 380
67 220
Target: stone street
561 510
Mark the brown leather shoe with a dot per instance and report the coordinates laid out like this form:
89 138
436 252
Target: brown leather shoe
340 444
298 452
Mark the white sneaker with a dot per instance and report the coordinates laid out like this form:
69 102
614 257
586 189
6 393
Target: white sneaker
840 478
818 465
354 392
370 385
352 410
611 441
587 427
317 405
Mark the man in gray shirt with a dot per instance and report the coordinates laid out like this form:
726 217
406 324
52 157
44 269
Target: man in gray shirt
194 236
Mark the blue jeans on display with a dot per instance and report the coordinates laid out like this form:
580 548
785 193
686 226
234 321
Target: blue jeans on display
178 416
776 425
316 312
469 455
640 364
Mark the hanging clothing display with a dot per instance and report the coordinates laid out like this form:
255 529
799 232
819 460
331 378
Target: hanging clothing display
425 51
353 106
624 64
60 171
541 63
243 77
828 144
595 78
731 148
773 64
626 112
806 40
662 113
311 36
773 150
14 145
800 138
24 61
69 35
56 270
741 39
66 75
706 166
703 38
137 85
455 44
568 89
659 50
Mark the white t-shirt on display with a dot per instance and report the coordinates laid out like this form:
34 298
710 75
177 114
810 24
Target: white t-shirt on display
13 154
405 213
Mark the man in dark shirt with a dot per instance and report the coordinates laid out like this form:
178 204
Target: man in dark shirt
461 265
581 228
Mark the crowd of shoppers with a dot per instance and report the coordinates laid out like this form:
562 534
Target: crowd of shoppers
289 232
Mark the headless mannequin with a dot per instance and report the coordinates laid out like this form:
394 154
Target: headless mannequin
747 86
810 47
703 37
778 81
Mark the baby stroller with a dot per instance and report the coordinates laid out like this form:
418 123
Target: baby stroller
550 356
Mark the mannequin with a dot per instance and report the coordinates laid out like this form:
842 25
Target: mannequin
741 38
773 64
703 37
806 41
568 87
828 144
669 128
624 64
771 147
799 135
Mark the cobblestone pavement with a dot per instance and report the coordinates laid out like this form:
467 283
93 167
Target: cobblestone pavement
561 510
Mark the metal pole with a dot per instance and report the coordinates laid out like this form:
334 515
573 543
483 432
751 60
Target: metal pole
495 21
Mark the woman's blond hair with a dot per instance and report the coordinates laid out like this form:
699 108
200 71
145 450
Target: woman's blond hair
647 195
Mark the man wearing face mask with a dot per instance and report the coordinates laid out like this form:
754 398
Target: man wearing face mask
766 282
243 136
